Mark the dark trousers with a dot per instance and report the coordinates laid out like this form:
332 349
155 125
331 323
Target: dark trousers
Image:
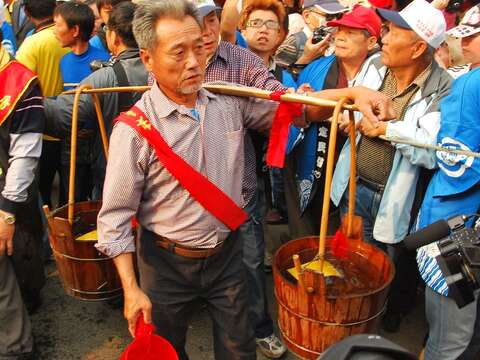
15 329
83 180
176 284
49 165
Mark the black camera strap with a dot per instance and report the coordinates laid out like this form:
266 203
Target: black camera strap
125 99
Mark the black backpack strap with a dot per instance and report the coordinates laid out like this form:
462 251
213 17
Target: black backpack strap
125 99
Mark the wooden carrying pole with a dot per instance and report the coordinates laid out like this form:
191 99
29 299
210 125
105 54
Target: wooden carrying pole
307 100
73 143
328 178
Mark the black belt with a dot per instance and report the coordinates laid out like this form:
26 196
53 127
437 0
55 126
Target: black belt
371 185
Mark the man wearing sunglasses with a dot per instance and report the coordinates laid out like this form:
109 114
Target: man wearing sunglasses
299 48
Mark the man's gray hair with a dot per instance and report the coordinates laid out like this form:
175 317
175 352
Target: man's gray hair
149 12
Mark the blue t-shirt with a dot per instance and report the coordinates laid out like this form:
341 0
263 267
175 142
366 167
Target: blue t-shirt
75 68
8 41
454 188
95 41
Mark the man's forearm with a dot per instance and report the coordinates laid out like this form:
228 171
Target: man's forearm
229 21
126 271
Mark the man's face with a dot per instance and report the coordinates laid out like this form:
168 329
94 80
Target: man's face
471 48
178 60
399 46
262 31
315 18
211 33
352 43
64 35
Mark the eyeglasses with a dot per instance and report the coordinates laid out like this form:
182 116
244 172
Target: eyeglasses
328 17
258 23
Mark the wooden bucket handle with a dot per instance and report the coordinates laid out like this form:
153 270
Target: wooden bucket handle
73 142
338 111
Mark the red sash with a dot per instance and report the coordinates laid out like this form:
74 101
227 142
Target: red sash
200 188
15 79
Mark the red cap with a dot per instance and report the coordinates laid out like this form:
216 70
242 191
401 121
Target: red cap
360 17
382 4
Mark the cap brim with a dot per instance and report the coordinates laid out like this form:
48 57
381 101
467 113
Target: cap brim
205 10
351 24
394 17
462 31
331 8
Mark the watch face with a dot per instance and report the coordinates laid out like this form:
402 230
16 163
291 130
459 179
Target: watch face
10 220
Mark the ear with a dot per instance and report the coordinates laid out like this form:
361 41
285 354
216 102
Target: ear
371 42
75 31
419 49
146 59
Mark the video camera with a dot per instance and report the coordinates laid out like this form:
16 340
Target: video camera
459 254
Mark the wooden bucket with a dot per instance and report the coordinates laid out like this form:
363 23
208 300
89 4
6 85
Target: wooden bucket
85 272
310 319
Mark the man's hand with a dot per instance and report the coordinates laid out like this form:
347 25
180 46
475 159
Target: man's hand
137 304
313 51
6 238
371 129
374 105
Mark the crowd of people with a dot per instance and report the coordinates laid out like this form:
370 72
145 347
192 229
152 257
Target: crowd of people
191 165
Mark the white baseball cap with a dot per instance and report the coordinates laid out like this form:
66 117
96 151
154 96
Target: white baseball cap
205 7
421 17
469 25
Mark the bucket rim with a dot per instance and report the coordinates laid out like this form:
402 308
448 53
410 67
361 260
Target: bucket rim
276 270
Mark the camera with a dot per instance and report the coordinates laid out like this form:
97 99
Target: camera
98 64
319 34
459 258
454 5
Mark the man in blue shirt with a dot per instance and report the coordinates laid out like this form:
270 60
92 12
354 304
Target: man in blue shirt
454 333
74 24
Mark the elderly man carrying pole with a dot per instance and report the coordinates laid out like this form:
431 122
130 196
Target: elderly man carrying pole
176 163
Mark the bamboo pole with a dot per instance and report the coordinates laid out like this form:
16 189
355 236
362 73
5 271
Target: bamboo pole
101 124
73 151
73 143
352 187
307 100
328 180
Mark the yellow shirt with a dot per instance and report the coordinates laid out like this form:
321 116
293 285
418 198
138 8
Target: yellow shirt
41 53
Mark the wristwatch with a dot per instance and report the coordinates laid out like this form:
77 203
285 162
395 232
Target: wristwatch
8 218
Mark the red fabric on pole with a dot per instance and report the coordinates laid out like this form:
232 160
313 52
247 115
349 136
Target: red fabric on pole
147 345
279 133
200 188
339 245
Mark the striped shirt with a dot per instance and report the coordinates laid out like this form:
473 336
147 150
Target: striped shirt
138 184
233 64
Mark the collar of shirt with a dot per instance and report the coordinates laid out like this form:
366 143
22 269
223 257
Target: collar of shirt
165 106
307 31
271 65
220 53
418 82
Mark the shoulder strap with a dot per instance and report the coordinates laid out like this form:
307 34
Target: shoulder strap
200 188
278 73
125 99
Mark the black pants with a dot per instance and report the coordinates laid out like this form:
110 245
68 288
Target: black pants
49 165
175 284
